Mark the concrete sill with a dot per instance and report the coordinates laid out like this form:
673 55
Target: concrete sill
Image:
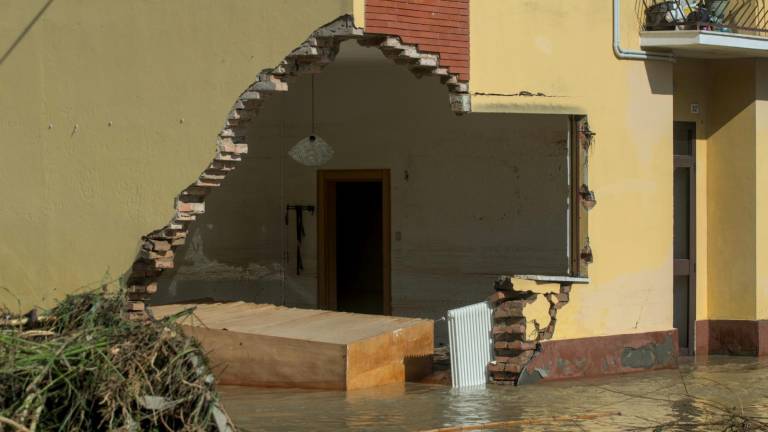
554 279
705 44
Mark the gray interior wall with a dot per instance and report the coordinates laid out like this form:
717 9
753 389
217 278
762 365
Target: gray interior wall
472 197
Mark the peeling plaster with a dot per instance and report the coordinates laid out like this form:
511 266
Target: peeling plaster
200 267
648 356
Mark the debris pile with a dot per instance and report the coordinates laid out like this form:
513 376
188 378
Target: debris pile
83 366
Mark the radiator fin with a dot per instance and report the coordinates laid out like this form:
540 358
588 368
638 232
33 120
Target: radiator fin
471 344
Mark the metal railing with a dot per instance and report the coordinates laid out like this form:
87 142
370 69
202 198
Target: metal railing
731 16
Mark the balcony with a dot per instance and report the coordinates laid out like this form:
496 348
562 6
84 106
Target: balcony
705 28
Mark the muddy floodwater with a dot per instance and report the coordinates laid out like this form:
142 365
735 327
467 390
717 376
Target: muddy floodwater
690 398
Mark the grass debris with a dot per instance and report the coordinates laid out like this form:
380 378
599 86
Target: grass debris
84 366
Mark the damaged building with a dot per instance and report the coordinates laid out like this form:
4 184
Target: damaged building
599 187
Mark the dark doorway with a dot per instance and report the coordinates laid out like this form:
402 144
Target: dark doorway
353 213
684 235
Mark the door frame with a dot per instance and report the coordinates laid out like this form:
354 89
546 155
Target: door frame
679 266
326 232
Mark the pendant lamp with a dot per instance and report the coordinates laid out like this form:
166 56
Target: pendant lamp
311 150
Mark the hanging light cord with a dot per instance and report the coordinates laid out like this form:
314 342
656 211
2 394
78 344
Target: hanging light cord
313 105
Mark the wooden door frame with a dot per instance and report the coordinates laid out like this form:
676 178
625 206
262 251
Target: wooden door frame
326 243
689 161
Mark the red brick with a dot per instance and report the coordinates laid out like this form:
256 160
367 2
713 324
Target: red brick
458 7
502 377
409 7
158 245
435 26
164 262
509 329
496 367
442 30
444 49
416 40
508 310
444 55
515 345
446 24
520 360
453 62
417 33
152 255
383 10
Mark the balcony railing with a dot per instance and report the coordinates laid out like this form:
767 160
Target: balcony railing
749 17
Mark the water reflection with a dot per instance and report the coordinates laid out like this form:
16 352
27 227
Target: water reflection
466 406
687 395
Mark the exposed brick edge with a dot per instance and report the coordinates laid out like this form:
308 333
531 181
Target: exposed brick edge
320 49
514 344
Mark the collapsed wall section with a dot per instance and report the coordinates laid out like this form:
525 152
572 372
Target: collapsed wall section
522 318
157 251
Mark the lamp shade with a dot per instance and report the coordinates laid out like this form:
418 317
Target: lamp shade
311 151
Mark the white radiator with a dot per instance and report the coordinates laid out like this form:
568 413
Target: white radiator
471 344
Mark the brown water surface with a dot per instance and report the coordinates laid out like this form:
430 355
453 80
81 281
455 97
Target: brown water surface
691 395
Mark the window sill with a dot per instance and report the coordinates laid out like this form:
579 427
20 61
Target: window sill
554 279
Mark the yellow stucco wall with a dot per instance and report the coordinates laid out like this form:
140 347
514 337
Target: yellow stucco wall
731 198
761 142
563 49
108 110
358 12
731 170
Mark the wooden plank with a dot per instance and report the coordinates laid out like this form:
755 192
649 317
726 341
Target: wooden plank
268 361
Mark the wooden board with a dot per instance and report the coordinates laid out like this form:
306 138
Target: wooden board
273 346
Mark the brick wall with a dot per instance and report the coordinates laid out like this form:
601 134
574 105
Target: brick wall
439 26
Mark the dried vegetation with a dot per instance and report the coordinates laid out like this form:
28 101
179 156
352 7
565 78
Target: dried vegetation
83 366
